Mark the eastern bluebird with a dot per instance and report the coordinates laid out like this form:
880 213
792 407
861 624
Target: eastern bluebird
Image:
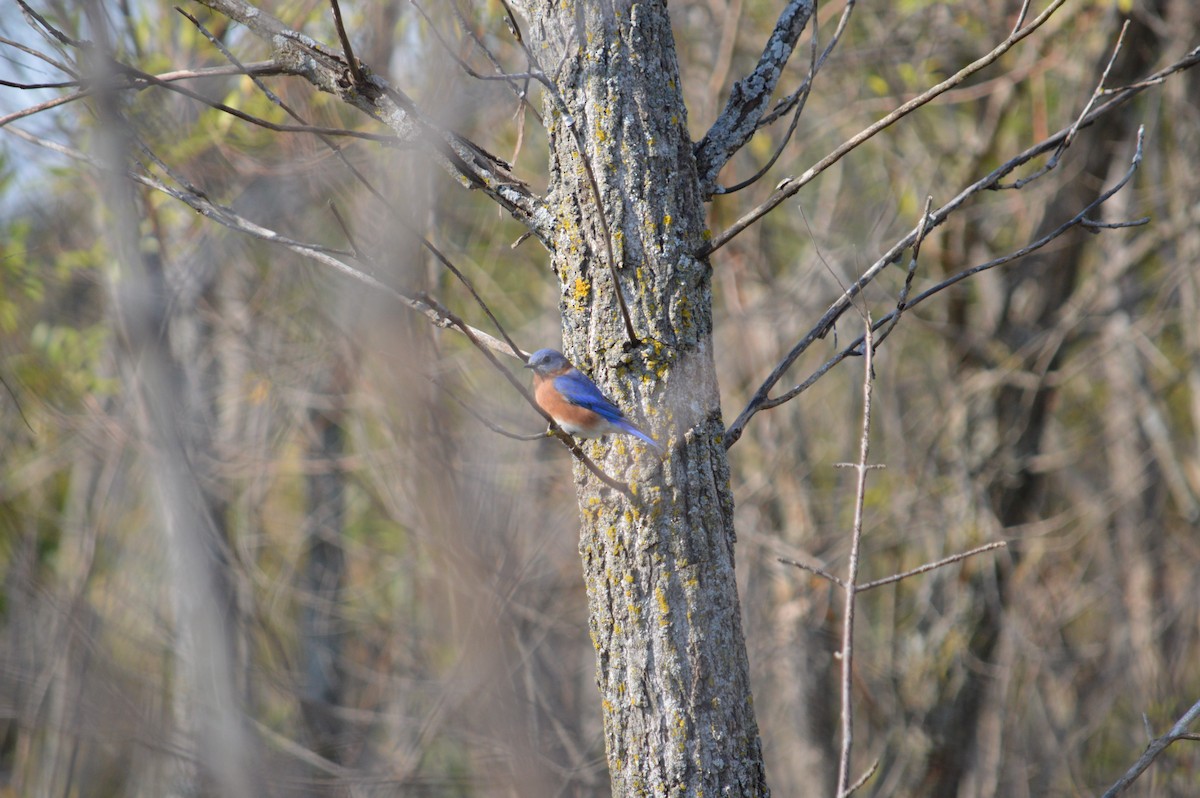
574 401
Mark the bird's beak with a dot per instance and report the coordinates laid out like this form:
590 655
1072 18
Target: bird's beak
528 365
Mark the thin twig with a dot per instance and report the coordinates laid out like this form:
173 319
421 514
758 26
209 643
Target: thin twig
902 300
516 436
887 580
861 780
862 468
1053 160
796 100
258 68
748 97
511 78
790 186
355 70
362 179
812 569
761 399
785 105
17 404
227 217
60 66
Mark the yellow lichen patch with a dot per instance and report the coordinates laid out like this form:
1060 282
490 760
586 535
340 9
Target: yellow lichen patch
582 289
664 608
706 235
667 220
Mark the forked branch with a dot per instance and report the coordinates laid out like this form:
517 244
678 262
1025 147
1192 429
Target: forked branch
1180 731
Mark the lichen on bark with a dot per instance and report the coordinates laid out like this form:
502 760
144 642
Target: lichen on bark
664 612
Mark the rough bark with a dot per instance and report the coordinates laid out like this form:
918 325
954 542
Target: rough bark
664 611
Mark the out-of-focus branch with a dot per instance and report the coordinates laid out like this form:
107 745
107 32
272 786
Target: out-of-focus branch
1159 744
257 68
227 217
424 304
328 71
749 97
791 185
366 183
520 388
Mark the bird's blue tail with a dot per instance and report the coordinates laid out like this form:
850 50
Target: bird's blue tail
637 433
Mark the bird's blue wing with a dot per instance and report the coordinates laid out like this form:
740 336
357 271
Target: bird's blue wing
577 389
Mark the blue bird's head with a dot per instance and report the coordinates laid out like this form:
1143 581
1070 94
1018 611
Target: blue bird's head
548 361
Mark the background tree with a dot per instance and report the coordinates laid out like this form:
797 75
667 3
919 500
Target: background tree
363 587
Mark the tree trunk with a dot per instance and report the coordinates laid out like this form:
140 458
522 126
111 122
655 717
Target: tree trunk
664 612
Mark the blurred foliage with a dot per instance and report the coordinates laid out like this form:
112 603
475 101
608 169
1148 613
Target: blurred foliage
464 659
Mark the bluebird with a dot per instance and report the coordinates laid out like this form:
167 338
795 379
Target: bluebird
574 401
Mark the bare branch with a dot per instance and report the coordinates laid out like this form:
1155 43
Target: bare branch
787 103
749 97
1053 160
902 300
862 467
1178 732
521 90
887 580
226 217
790 186
796 100
329 72
516 436
861 780
812 569
59 65
355 70
761 399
